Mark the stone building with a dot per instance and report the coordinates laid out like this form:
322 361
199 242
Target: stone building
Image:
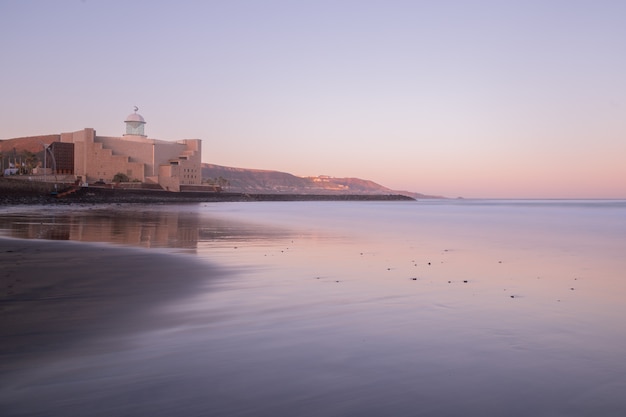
92 158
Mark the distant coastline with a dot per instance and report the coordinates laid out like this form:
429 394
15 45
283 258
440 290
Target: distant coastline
207 177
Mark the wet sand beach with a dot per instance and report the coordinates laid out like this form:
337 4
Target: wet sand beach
58 295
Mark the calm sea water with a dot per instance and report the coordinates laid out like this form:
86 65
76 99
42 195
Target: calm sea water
428 308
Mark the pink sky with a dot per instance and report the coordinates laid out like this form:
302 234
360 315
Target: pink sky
454 98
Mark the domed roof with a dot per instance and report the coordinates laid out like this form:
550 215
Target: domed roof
134 117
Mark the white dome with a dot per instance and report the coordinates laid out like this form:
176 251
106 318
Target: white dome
134 117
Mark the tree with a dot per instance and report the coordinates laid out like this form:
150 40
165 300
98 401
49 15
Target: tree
222 182
120 177
30 160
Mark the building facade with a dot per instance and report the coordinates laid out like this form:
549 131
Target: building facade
91 158
59 158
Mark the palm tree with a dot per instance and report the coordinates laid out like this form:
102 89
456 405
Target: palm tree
30 160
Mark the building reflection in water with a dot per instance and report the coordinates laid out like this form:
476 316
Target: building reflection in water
167 226
140 227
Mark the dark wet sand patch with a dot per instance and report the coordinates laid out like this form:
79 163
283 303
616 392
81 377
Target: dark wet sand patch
57 294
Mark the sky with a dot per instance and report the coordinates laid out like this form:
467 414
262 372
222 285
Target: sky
479 99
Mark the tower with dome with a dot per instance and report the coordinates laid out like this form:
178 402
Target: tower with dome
135 124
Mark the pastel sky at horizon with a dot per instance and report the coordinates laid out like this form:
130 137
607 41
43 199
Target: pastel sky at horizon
480 99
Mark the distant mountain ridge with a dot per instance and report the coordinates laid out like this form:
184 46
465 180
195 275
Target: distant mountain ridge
244 180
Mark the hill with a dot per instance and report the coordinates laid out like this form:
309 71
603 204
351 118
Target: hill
243 180
235 180
34 144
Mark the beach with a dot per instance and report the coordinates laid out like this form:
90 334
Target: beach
475 308
57 296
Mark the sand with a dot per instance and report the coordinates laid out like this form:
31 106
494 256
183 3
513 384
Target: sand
59 295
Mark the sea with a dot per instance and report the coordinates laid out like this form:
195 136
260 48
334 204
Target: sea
397 308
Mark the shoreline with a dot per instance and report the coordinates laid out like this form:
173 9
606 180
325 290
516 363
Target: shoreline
59 295
31 193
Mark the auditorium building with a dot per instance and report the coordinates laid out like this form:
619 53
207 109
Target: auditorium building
91 158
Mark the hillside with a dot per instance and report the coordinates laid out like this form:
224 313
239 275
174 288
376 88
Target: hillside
235 180
34 144
242 180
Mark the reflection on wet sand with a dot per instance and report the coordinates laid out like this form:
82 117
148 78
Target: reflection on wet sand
140 227
137 225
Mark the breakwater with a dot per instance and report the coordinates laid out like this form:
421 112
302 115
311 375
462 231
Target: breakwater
27 193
